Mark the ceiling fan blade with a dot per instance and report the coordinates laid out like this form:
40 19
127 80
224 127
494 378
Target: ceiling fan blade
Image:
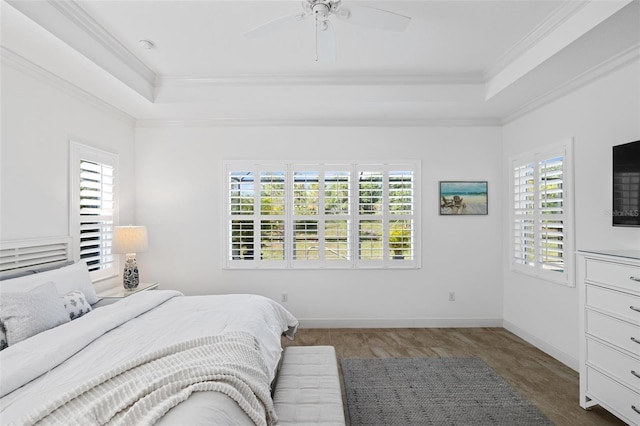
283 22
326 43
376 18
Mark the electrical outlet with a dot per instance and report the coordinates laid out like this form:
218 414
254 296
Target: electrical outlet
452 296
284 297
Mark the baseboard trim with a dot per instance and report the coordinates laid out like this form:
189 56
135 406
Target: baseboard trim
399 322
551 350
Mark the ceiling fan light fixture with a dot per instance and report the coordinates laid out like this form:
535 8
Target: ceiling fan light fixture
321 10
310 5
322 25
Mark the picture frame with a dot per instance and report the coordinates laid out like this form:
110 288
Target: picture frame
464 197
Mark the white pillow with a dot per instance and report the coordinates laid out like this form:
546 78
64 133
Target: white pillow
3 337
29 313
66 280
76 304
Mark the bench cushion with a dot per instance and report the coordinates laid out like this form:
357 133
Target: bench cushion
308 387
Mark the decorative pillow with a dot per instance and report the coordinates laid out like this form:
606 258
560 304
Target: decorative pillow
3 337
30 313
76 304
66 280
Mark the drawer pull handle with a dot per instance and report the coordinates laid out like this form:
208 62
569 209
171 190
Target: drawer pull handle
636 340
633 407
634 308
635 279
635 374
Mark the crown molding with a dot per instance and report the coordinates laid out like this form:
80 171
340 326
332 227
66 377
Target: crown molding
68 21
320 79
579 21
321 122
558 17
610 65
79 17
24 65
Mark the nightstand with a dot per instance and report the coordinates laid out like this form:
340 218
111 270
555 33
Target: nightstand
114 294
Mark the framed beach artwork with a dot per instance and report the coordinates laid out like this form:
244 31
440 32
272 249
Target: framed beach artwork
463 198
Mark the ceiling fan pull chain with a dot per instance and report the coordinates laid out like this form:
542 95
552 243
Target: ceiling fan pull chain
316 16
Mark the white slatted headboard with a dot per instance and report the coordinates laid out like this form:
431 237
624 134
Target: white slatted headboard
19 256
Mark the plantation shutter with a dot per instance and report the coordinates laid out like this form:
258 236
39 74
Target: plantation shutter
401 215
524 221
96 214
255 205
272 244
320 215
541 214
336 230
241 196
371 200
551 217
94 207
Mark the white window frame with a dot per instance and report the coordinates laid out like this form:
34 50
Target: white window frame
109 262
351 261
535 214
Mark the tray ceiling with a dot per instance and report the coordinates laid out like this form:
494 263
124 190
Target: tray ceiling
475 62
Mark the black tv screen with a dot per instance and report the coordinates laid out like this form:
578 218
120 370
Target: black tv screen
626 184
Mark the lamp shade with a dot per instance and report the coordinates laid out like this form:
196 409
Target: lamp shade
129 239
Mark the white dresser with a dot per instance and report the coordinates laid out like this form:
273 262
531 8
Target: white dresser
609 286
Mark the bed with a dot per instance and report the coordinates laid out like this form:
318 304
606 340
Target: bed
155 357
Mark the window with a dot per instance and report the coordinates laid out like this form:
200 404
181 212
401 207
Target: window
320 215
93 208
541 214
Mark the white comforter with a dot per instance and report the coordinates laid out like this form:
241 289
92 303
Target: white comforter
35 371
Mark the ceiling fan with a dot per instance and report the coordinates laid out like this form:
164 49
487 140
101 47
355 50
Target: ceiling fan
322 11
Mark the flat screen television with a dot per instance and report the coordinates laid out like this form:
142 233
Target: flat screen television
626 184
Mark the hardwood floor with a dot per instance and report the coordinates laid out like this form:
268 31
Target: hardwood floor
547 383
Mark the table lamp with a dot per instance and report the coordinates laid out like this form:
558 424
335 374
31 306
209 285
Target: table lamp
130 240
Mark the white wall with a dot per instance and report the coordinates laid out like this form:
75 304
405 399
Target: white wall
40 114
177 173
179 199
597 116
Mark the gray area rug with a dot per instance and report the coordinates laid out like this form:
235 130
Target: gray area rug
433 391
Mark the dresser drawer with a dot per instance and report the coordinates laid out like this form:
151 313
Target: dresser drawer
620 304
617 332
613 396
615 274
615 363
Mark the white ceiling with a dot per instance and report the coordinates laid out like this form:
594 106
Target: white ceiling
476 62
205 38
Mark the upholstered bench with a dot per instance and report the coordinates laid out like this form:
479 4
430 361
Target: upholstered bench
307 391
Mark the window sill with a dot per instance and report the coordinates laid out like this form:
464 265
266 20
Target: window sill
564 281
